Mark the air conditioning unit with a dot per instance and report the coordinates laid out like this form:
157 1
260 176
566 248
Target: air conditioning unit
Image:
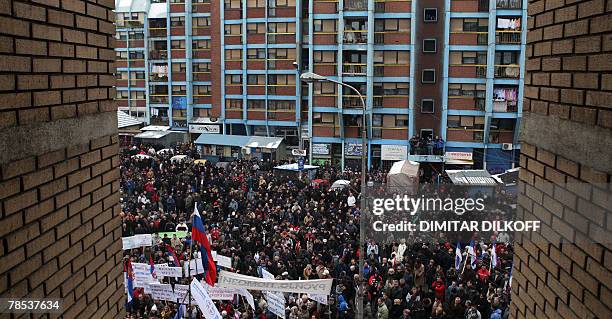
507 146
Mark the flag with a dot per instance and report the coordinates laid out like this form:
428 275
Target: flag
129 276
472 253
179 312
493 256
458 256
153 272
171 253
198 234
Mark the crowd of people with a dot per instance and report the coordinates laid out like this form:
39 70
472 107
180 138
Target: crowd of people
297 229
426 145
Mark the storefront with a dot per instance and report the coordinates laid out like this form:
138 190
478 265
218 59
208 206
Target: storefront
217 147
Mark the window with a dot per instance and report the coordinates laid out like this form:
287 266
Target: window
467 57
467 90
281 27
179 67
256 28
233 54
324 88
137 95
256 79
256 104
281 54
468 122
469 25
324 25
281 79
256 3
233 29
324 118
201 44
281 105
390 57
233 104
391 88
233 79
179 90
122 94
256 53
324 56
430 15
284 3
201 67
506 57
429 45
177 21
199 90
427 106
201 21
402 25
233 4
401 120
428 76
177 44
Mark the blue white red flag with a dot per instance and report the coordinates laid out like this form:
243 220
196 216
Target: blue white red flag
175 259
493 256
472 253
129 275
153 272
198 234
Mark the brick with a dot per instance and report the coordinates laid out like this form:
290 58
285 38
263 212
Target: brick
590 8
601 24
572 96
574 63
563 46
30 116
60 18
73 5
63 111
19 202
10 223
32 82
604 118
12 259
14 63
600 62
15 27
47 32
30 47
51 220
39 243
43 98
8 119
584 115
565 13
598 98
576 28
55 249
47 65
588 44
37 178
586 80
74 36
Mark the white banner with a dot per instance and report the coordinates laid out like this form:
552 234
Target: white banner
142 275
320 149
393 152
207 306
223 261
181 292
137 241
276 304
164 270
464 156
162 292
204 128
322 299
195 267
248 296
219 293
316 286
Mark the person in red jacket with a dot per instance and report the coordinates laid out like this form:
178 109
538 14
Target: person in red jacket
439 289
483 273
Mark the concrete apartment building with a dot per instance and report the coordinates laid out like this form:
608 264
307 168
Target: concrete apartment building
427 68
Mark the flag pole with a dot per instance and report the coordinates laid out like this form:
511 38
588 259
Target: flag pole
189 268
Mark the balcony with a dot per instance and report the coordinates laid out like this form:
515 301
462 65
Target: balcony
158 54
466 103
392 37
325 69
508 37
325 6
464 135
501 136
355 5
356 69
400 101
158 98
157 32
355 36
281 37
510 71
469 5
509 4
326 130
352 101
381 69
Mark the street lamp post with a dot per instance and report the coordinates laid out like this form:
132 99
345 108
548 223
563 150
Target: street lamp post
310 77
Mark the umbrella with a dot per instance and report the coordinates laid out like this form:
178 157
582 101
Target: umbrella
165 151
178 158
141 156
199 161
341 183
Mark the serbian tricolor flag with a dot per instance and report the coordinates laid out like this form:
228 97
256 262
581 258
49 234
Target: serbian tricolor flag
472 253
129 280
175 259
458 256
153 272
198 234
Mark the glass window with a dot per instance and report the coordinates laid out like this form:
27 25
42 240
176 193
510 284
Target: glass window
428 76
429 45
430 15
427 106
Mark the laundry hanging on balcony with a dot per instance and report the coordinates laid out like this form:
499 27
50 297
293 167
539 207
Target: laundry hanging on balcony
508 24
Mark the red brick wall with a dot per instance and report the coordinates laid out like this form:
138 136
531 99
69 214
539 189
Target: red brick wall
565 270
59 178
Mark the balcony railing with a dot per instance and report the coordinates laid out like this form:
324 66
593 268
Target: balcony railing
511 71
355 5
509 4
352 101
158 98
158 54
481 69
354 68
157 32
507 37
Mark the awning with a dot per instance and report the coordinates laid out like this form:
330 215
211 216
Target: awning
471 177
153 134
125 120
458 162
240 141
294 167
158 10
130 6
155 128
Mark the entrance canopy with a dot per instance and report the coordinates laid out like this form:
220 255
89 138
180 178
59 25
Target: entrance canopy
471 177
240 141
